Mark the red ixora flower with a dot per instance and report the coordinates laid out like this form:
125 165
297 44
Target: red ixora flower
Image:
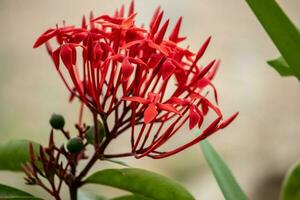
139 77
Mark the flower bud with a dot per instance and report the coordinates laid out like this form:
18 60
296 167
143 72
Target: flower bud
57 121
90 136
75 145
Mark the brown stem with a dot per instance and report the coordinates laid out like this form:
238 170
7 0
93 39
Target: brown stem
73 192
94 158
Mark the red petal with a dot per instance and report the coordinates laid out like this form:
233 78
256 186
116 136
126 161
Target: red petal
55 57
129 21
175 33
121 12
213 71
132 43
158 47
131 8
215 108
175 100
150 113
138 61
160 35
156 21
228 121
202 83
155 60
83 22
204 108
92 25
168 69
49 48
212 127
194 118
136 99
127 69
66 55
45 37
167 107
204 70
202 50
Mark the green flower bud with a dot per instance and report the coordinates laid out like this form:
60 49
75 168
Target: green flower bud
75 145
90 136
57 121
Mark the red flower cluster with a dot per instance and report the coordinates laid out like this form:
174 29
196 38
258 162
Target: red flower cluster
142 78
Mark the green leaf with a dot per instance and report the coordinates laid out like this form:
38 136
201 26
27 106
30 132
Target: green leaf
7 192
88 196
90 135
282 31
131 197
291 184
14 153
228 184
281 67
142 182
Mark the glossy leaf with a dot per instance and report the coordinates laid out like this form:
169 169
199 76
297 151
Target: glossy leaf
7 192
131 197
14 153
141 182
88 196
291 185
228 184
281 67
281 30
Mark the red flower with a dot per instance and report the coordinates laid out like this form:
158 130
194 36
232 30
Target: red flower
145 80
152 103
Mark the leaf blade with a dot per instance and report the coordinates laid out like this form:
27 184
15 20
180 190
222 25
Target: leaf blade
14 153
146 183
291 184
7 192
281 30
281 66
226 181
131 197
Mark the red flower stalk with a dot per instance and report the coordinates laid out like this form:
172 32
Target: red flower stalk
144 79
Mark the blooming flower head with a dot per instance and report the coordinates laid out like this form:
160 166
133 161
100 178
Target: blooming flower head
139 76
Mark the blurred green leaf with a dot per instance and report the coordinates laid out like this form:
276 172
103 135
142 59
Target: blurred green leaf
141 182
228 184
7 192
88 196
281 30
90 135
14 153
281 67
131 197
291 185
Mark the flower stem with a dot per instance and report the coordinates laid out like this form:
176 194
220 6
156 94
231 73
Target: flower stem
73 192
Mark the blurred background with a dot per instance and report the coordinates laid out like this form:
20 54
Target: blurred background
261 144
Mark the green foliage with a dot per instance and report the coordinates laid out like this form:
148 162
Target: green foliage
142 182
88 196
281 30
90 136
7 192
291 185
228 184
131 197
14 153
281 67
